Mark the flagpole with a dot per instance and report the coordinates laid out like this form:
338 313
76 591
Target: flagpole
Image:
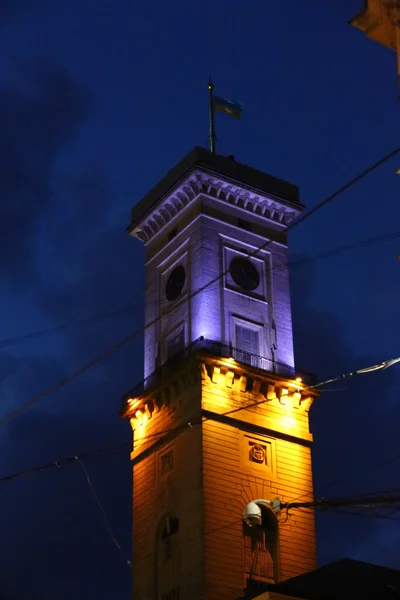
211 116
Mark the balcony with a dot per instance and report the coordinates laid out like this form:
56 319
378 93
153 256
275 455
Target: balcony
223 351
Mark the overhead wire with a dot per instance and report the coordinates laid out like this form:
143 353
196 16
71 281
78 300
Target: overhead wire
112 349
103 512
77 458
64 326
367 469
326 254
56 464
383 498
363 371
189 425
341 511
383 365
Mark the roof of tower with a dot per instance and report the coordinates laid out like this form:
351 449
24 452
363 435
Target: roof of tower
228 168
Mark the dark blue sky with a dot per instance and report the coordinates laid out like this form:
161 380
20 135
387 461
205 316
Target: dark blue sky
97 101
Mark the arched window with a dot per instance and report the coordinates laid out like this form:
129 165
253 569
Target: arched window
168 560
261 549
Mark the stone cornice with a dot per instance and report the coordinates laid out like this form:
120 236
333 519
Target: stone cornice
268 208
252 383
166 394
267 386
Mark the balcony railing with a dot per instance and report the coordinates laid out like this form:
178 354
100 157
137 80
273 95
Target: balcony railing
223 351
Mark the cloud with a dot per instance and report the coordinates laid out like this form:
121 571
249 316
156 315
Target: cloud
23 377
108 275
50 520
92 267
354 427
39 117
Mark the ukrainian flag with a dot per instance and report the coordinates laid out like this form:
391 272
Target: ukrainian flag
234 109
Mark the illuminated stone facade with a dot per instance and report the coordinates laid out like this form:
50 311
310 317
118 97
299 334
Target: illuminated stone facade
222 417
201 224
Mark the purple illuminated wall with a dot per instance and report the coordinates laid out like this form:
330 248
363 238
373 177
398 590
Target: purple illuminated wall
208 237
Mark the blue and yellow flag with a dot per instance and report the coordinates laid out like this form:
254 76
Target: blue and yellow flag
234 109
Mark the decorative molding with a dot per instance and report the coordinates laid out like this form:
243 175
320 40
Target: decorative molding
258 454
281 392
269 208
246 381
167 394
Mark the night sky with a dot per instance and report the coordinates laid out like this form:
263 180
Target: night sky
98 100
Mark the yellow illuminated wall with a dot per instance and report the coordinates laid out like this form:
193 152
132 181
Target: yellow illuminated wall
192 461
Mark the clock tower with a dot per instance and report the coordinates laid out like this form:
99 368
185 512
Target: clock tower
221 417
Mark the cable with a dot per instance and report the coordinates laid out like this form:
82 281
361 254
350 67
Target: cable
111 350
381 498
384 499
63 382
381 366
346 186
103 512
386 364
45 332
78 459
200 420
377 239
367 469
63 461
127 309
374 516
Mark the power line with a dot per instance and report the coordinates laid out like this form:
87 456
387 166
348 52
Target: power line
368 515
112 349
56 464
368 469
370 369
379 239
371 241
367 501
386 498
381 366
374 501
79 459
346 186
103 512
200 420
49 331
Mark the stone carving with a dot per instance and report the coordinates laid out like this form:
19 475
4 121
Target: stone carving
257 453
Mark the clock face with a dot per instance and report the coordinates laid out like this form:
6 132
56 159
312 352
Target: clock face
244 273
175 283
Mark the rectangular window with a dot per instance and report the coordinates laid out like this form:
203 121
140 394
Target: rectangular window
247 339
175 344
